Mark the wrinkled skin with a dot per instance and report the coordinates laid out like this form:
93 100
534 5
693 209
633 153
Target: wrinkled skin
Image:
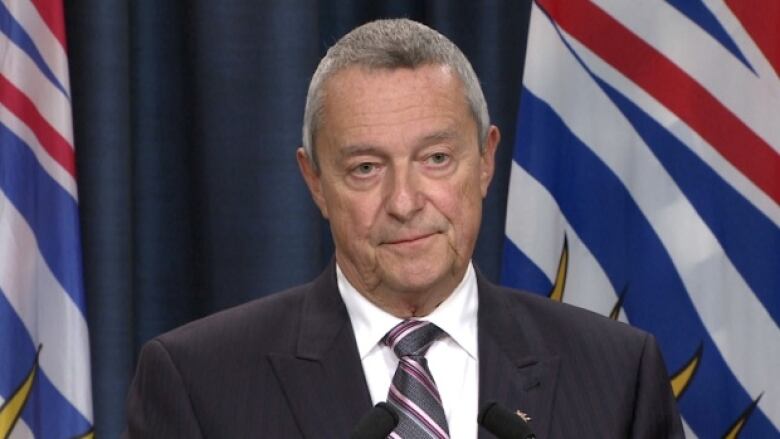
401 179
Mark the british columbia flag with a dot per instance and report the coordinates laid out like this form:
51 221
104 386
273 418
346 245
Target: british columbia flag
45 388
646 186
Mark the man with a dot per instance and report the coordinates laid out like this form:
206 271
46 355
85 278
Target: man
398 154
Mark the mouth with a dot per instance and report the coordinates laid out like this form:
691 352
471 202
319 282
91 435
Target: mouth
410 240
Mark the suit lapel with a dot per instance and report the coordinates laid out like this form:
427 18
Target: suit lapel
327 391
323 380
514 369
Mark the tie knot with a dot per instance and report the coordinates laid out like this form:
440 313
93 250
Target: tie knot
412 337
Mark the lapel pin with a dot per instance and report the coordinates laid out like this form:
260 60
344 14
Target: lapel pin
523 416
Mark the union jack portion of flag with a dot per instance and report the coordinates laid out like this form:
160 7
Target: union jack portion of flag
45 388
646 186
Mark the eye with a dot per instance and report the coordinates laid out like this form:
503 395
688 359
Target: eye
364 169
438 158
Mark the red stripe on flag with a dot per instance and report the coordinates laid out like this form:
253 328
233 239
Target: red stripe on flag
674 88
53 15
762 22
51 140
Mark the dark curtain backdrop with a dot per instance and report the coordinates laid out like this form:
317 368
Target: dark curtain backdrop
187 116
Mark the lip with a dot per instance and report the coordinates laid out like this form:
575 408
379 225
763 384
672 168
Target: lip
410 240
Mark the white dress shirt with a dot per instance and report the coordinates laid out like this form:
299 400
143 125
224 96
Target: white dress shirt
453 360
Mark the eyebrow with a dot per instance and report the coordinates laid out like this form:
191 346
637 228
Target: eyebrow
369 149
439 136
359 149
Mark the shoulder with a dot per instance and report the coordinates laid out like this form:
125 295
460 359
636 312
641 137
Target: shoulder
559 328
549 313
268 324
611 366
185 378
572 318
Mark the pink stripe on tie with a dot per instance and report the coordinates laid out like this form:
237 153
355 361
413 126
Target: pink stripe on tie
402 330
415 370
397 329
414 412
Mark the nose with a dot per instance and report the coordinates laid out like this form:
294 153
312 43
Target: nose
404 196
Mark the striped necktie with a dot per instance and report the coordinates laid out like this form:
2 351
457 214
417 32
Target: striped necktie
413 392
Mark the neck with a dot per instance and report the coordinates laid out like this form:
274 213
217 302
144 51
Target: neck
406 302
406 305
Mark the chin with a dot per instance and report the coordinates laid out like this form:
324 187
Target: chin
419 276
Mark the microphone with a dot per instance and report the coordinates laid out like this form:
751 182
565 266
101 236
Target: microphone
503 423
378 423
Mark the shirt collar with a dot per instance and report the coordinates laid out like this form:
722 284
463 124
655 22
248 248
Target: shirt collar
457 315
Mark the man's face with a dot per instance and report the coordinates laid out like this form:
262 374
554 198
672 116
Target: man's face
401 178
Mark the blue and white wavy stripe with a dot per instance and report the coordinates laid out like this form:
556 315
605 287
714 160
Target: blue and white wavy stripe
649 208
42 304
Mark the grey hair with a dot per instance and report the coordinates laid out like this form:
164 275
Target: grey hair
391 44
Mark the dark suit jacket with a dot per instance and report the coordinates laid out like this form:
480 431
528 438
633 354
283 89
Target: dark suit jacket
287 366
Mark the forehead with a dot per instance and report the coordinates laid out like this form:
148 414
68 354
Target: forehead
362 100
355 79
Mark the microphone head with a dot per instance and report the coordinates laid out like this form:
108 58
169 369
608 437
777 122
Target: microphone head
378 423
503 423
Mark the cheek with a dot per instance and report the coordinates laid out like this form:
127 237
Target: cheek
461 204
352 215
458 202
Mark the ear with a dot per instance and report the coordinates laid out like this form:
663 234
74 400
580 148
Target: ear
312 178
488 159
